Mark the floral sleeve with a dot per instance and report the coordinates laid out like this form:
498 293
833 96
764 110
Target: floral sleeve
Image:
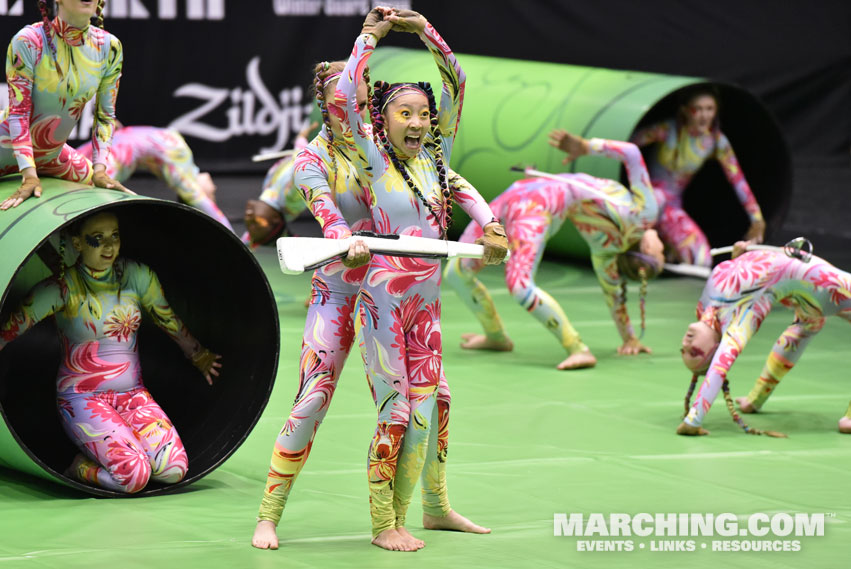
372 162
104 124
311 178
643 197
470 199
21 57
45 299
153 299
454 82
727 158
651 134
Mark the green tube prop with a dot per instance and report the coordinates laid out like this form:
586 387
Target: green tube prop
510 106
210 279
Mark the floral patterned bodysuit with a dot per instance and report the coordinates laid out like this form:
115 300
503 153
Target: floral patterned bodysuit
533 210
678 156
103 405
739 295
44 107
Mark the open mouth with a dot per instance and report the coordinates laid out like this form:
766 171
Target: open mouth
412 142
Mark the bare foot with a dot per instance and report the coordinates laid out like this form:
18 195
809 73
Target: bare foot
481 342
688 430
845 425
265 536
578 361
453 521
416 543
745 405
392 540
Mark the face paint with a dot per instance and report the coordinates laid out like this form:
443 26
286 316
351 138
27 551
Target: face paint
408 122
100 242
95 241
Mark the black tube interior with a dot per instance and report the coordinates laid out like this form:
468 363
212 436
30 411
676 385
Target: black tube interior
217 287
763 154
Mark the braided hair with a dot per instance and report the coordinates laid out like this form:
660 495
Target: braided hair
48 33
379 100
725 387
637 266
99 15
323 73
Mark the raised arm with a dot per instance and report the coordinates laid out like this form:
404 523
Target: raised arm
628 153
453 77
43 300
727 158
372 163
651 134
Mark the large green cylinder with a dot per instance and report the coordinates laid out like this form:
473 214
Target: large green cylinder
210 279
510 106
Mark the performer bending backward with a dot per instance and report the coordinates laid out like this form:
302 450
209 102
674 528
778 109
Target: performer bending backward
125 438
738 296
680 148
399 304
280 202
164 153
53 68
616 222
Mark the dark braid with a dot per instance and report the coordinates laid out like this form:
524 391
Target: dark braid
368 89
725 387
438 157
380 136
99 15
48 33
689 393
61 256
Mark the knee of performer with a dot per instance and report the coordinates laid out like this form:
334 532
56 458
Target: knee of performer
132 475
171 475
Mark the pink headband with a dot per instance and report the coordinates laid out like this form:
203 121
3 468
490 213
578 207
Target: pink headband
398 90
331 77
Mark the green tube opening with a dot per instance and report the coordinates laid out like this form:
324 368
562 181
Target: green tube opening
210 279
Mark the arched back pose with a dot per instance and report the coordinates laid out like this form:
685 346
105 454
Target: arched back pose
615 222
280 202
53 69
124 437
164 153
399 304
738 296
681 147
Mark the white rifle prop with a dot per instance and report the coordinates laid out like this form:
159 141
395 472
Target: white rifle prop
798 248
272 155
532 173
299 254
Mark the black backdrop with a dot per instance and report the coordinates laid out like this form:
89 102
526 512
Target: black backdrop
233 75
